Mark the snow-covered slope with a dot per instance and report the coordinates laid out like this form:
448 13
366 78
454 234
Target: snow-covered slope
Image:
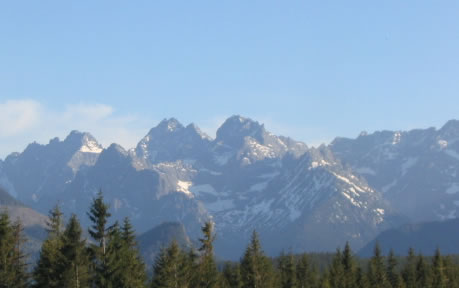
417 170
246 178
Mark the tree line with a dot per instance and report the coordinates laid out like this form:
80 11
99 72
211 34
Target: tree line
111 259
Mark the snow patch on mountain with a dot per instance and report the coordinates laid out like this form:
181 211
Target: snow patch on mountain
315 164
396 138
442 144
183 186
91 147
346 180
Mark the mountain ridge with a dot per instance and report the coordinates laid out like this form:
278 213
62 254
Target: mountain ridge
246 178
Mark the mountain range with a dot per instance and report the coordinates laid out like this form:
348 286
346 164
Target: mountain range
297 197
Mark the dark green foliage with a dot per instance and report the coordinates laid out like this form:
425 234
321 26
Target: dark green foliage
349 267
170 269
306 274
409 270
74 264
13 267
207 269
451 272
393 276
46 273
131 265
422 273
101 270
231 275
256 268
336 271
438 273
114 262
287 271
376 270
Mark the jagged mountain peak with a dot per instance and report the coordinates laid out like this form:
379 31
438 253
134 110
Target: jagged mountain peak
233 131
169 125
450 129
82 140
194 129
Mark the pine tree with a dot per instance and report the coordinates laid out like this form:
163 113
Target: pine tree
133 267
168 270
287 269
232 276
325 280
376 270
208 273
99 214
13 267
409 270
256 268
46 272
438 273
336 272
361 280
307 276
392 275
422 273
6 273
19 265
114 258
349 267
74 263
451 273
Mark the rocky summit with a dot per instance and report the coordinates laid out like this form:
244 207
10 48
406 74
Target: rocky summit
296 197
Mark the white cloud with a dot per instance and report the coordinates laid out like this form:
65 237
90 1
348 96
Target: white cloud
25 121
18 116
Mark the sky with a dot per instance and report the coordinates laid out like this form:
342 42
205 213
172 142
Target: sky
311 70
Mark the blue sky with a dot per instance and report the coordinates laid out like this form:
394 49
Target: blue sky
311 70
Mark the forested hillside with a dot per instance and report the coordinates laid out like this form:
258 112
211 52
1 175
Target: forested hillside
110 258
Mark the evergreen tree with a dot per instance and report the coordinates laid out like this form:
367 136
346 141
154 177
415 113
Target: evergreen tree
336 272
99 214
73 266
438 273
168 270
231 276
6 273
114 258
287 269
256 268
409 270
13 268
349 267
133 268
307 276
46 272
376 270
208 273
392 275
18 263
422 273
451 273
361 280
325 281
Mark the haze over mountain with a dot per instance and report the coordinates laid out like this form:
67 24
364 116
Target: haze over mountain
247 178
